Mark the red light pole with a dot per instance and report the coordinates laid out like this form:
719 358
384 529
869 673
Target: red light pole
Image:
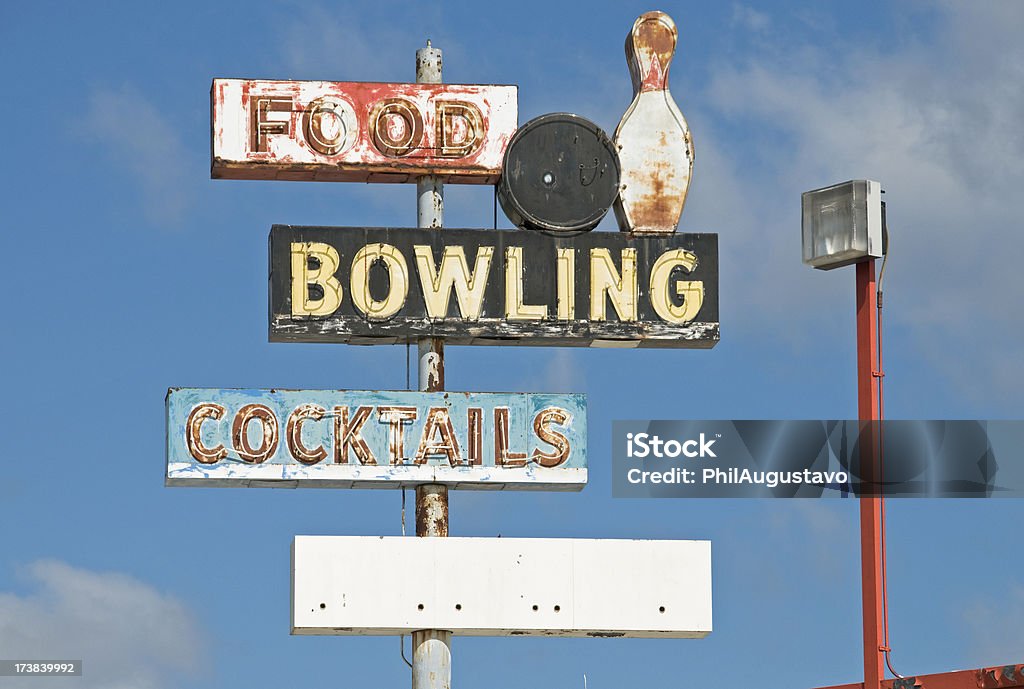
868 375
844 224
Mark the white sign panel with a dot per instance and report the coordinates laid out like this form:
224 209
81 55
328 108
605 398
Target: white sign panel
501 586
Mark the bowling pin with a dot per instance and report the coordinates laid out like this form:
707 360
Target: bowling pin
653 141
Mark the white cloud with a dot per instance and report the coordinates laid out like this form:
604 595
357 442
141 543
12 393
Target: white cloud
127 635
318 43
821 529
937 123
562 373
749 18
336 44
141 140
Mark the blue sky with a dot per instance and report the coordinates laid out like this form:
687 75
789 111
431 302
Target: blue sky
129 270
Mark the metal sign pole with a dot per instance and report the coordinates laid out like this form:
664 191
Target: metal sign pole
431 654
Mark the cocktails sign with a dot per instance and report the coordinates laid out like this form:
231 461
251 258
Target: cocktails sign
378 439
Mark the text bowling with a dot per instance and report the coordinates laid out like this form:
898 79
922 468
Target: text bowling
317 291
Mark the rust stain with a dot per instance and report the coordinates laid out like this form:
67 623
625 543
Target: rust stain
348 436
432 511
194 425
267 421
439 424
456 131
396 417
435 365
293 434
654 30
503 455
656 208
650 46
474 443
552 437
654 141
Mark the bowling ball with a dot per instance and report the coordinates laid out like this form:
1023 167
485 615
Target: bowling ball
560 175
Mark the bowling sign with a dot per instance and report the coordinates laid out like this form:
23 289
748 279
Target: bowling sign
360 131
493 287
378 439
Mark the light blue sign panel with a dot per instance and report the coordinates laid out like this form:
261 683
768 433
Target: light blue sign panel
378 439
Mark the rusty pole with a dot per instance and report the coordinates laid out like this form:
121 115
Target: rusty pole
429 190
431 648
870 507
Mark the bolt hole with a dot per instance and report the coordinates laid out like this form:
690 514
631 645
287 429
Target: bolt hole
420 606
323 605
661 609
458 606
557 608
535 608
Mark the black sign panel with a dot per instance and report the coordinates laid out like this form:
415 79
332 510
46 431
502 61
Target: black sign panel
485 287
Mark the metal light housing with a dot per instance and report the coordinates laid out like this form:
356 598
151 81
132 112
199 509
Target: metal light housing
842 224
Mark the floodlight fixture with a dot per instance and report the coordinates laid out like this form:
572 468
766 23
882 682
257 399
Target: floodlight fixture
843 224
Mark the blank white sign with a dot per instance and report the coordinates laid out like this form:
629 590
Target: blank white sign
501 586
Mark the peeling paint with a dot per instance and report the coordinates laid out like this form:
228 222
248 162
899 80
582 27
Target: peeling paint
653 139
375 439
360 131
482 287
